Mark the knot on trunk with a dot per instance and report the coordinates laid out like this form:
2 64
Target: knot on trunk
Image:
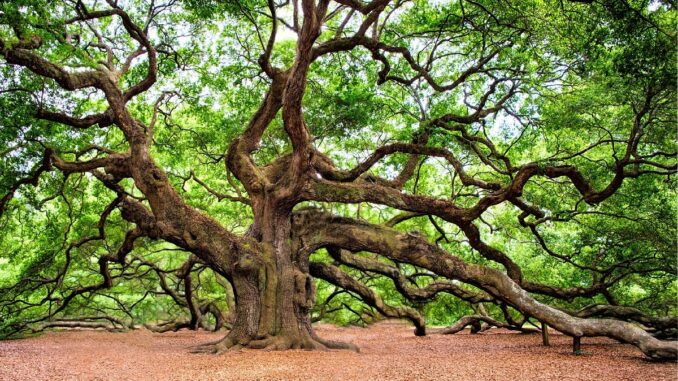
304 295
247 263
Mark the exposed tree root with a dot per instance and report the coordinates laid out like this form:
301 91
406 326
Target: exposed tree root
272 343
168 326
331 344
219 346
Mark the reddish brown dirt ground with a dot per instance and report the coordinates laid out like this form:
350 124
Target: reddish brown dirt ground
389 351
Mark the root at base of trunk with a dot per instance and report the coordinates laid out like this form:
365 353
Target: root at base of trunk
272 343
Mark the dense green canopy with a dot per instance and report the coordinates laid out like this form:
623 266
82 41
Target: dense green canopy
536 138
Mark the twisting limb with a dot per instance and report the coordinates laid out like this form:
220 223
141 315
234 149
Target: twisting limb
102 119
403 284
43 166
220 196
341 279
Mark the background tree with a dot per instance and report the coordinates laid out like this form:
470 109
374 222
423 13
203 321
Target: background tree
518 157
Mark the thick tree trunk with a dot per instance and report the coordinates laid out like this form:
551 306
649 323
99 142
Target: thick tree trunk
274 293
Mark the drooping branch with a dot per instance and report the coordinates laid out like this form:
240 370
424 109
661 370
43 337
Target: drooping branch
628 314
189 300
341 279
403 284
109 324
475 320
355 235
58 303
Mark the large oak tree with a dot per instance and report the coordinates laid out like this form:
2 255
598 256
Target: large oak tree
281 142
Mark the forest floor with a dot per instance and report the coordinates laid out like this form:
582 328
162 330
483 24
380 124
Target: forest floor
389 351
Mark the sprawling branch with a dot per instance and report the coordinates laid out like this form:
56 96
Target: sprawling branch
376 48
32 179
17 55
103 119
346 176
404 285
137 33
359 236
195 233
628 314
